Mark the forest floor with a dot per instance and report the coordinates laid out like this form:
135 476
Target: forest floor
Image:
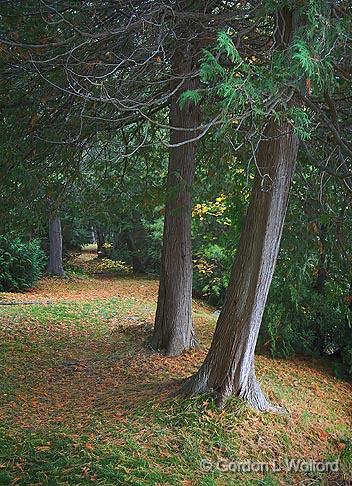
84 401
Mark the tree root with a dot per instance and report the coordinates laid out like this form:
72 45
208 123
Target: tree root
252 394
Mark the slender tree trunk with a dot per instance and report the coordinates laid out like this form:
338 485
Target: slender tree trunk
55 266
100 242
173 331
229 366
137 264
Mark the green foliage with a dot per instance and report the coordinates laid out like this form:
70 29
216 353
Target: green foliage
347 359
21 264
216 229
211 277
225 44
302 55
189 96
74 234
301 120
302 318
312 63
210 69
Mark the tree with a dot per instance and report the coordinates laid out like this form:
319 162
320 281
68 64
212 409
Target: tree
228 368
173 330
229 365
100 236
55 246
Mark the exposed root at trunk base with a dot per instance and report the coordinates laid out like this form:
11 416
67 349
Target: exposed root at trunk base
194 385
251 394
254 396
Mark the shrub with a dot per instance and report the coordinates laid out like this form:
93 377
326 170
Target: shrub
347 359
211 273
299 320
21 264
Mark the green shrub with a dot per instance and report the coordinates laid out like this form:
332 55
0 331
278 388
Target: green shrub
21 264
211 273
300 320
347 359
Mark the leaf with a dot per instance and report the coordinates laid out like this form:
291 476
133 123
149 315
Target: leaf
189 96
225 44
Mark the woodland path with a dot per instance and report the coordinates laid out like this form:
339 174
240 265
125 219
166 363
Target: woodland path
83 400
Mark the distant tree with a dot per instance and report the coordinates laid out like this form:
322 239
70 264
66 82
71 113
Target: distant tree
55 266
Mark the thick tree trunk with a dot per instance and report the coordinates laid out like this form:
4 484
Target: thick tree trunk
55 266
173 331
229 366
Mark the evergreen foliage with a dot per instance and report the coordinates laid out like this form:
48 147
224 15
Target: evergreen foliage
21 264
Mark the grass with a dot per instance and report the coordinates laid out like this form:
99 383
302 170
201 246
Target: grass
84 401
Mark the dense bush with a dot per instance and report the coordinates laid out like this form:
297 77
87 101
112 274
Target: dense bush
138 241
74 236
211 275
301 317
214 243
21 264
306 322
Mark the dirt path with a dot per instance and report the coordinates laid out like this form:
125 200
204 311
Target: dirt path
98 283
96 280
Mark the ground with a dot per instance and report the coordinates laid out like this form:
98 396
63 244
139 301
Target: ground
83 400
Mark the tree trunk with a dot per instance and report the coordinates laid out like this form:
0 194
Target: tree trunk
229 366
100 243
55 266
173 330
137 264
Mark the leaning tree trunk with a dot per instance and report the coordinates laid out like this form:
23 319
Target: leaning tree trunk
229 366
55 266
173 330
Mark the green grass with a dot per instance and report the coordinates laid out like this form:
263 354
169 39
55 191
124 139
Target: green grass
84 401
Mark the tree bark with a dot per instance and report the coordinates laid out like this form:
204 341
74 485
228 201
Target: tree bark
55 266
229 366
173 330
100 242
137 264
